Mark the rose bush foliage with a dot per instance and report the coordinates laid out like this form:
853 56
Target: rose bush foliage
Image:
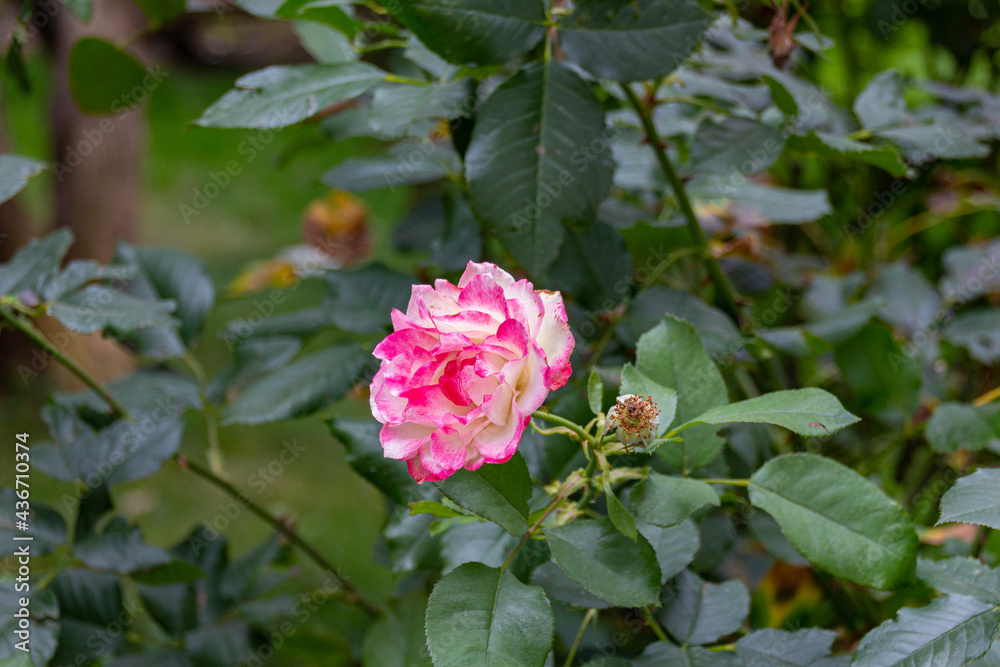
685 221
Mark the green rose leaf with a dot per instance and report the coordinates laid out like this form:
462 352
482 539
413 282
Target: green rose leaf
15 170
974 499
527 169
666 501
962 576
837 519
499 493
951 630
304 386
632 41
476 31
479 615
284 95
606 563
697 612
35 263
809 411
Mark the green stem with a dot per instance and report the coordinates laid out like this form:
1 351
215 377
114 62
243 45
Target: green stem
590 490
29 330
655 626
587 618
216 461
568 486
729 482
352 594
726 294
562 421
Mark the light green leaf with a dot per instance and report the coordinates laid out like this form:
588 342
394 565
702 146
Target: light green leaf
824 144
962 576
780 648
957 426
284 95
666 501
595 392
301 388
399 111
881 103
498 493
479 615
697 612
671 354
477 31
837 519
735 145
974 499
978 331
35 263
951 630
632 41
433 508
635 382
102 77
526 168
15 170
619 515
809 411
606 563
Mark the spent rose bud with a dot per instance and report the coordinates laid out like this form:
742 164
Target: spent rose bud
465 368
634 419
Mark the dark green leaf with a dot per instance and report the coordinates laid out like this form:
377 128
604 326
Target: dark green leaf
697 612
559 586
780 648
365 296
951 630
910 303
303 387
103 78
399 111
962 576
528 165
666 501
479 31
807 411
837 519
364 454
974 499
168 574
675 547
662 654
606 563
499 493
284 95
15 170
119 548
595 266
98 308
407 163
632 41
483 615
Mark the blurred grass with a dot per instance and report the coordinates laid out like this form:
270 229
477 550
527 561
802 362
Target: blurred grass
251 218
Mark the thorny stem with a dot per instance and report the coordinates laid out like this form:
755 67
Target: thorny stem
29 330
726 295
587 618
568 487
352 594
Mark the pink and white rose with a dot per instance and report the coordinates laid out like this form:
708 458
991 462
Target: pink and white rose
465 368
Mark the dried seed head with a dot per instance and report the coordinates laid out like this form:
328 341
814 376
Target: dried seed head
634 419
